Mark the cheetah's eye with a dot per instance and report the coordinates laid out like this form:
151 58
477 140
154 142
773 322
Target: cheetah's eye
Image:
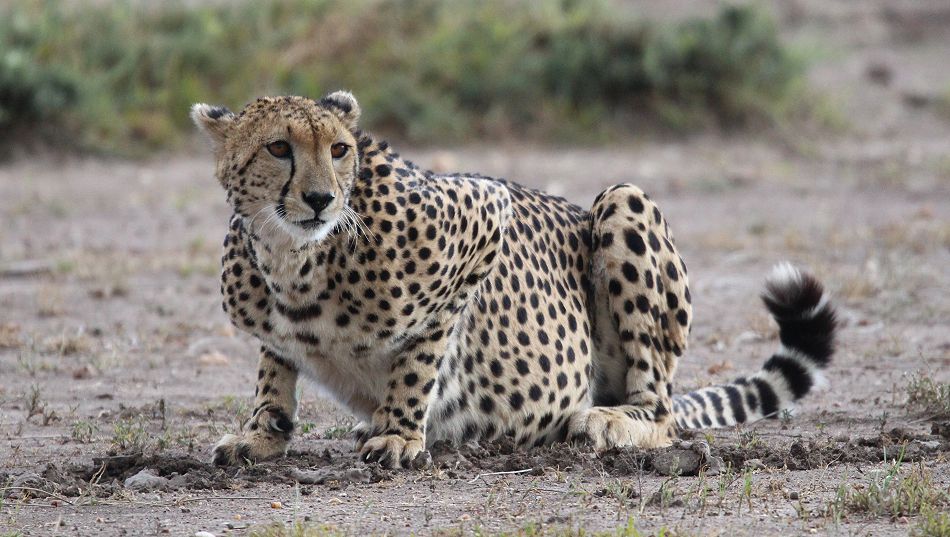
279 149
338 150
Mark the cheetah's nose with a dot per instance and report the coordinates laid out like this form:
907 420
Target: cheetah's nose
317 201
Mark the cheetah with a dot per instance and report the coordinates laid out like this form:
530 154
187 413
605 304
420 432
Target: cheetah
460 307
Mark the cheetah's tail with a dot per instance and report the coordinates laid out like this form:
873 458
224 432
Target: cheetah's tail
806 321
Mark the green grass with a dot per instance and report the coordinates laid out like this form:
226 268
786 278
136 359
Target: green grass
894 492
933 523
120 76
928 395
129 435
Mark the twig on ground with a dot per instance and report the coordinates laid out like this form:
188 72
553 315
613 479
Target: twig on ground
510 472
46 492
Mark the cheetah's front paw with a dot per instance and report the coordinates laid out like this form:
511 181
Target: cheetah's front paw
610 427
265 436
392 450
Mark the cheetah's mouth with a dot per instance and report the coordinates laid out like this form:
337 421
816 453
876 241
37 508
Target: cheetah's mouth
311 224
312 229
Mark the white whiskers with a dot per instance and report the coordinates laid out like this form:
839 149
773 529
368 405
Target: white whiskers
354 225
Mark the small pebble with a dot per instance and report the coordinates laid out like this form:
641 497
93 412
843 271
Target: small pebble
753 464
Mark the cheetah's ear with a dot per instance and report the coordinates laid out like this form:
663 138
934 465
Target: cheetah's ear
344 105
213 121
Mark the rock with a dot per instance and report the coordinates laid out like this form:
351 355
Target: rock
917 97
753 464
146 480
319 477
701 447
203 534
422 460
31 480
879 72
714 465
178 482
799 457
677 461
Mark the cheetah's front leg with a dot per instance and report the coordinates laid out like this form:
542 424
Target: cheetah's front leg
398 429
268 431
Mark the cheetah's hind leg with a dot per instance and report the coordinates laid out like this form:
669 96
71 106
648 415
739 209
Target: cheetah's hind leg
641 320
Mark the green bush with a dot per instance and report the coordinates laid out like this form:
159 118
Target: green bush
120 76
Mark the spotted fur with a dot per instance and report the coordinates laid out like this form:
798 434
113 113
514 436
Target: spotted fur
462 307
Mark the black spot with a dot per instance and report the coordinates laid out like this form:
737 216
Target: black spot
614 287
671 301
545 364
496 368
635 204
643 303
682 317
671 271
516 400
630 272
522 367
635 242
534 392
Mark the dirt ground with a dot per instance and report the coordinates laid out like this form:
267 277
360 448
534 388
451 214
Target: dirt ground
115 355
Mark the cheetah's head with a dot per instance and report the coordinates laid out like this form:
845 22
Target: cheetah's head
287 163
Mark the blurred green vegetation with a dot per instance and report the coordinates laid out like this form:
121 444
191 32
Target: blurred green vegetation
119 77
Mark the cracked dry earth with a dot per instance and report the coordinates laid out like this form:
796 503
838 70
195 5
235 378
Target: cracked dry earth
118 369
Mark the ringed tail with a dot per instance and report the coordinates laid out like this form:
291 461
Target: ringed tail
807 323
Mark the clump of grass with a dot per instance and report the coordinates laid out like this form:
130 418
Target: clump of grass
928 395
933 523
34 402
306 529
83 431
891 493
296 529
338 430
129 435
10 336
67 344
120 76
